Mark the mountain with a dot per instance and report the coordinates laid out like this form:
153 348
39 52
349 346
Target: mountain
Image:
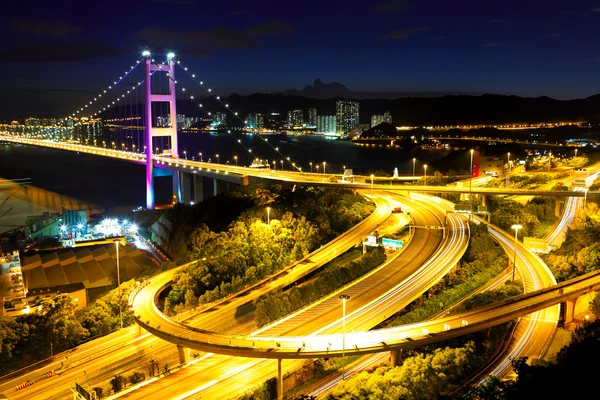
320 90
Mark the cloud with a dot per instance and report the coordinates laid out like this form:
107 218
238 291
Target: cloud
494 44
404 33
392 6
60 52
504 22
199 43
44 28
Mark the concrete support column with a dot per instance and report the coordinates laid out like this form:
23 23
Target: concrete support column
184 354
569 310
394 357
483 200
140 330
279 380
215 187
557 207
198 189
177 198
186 186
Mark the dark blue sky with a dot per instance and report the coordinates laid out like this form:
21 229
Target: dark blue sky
56 54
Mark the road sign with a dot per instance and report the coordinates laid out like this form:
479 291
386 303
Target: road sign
462 208
397 244
371 241
536 244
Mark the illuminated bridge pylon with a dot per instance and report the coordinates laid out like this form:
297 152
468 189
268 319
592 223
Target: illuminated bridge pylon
152 131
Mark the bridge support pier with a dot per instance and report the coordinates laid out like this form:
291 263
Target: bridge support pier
569 306
279 380
186 188
184 354
483 200
198 189
177 197
557 207
394 357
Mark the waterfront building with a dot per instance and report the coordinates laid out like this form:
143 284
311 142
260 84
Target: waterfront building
255 121
312 117
326 124
346 116
295 118
378 119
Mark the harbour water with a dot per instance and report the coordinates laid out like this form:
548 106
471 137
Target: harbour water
109 183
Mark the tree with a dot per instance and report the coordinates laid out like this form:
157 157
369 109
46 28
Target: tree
153 366
136 377
595 305
190 299
99 391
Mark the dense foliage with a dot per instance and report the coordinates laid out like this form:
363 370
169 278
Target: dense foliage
580 252
572 375
423 376
528 181
249 250
533 216
335 275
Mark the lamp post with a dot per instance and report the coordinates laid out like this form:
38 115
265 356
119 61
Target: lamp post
200 154
324 165
185 154
549 160
119 285
371 181
575 153
235 158
218 159
310 163
268 215
470 181
414 163
343 297
425 169
516 228
508 172
585 196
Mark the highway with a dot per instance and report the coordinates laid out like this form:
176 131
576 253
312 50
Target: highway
374 297
124 351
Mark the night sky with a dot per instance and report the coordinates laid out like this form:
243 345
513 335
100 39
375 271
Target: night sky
55 55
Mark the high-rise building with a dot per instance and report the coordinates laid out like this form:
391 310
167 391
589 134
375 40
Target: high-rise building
219 119
255 121
346 116
312 117
378 119
295 118
326 124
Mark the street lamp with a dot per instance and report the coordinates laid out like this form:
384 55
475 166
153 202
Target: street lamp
508 172
470 181
371 181
324 165
414 161
235 158
218 159
425 169
575 153
200 154
310 167
268 215
119 285
516 228
549 160
343 297
185 154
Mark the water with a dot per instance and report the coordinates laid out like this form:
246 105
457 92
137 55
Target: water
112 183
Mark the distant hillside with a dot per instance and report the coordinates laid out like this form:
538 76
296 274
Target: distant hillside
418 111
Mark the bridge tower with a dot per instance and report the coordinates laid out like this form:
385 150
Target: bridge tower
151 131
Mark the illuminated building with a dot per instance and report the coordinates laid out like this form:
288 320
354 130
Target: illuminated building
378 119
346 116
255 121
219 119
295 118
326 124
312 117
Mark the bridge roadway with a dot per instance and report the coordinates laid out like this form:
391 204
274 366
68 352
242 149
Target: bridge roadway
374 297
120 353
229 172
